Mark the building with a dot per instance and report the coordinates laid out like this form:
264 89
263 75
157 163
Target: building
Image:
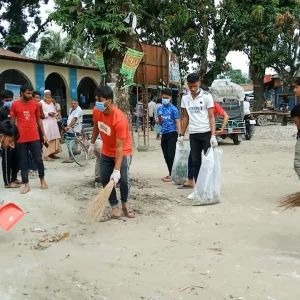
65 81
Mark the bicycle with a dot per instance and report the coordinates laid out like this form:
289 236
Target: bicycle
78 148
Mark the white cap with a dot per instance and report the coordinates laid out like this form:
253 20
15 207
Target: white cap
47 92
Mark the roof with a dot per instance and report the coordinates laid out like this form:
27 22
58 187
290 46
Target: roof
9 55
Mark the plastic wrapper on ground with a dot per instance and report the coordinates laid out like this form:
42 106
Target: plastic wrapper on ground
180 164
208 187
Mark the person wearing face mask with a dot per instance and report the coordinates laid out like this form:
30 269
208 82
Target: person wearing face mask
116 152
198 114
10 166
168 118
74 125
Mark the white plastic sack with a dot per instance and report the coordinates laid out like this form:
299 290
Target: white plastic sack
180 164
208 187
219 92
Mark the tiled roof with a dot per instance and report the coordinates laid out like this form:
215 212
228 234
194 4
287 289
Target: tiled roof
8 53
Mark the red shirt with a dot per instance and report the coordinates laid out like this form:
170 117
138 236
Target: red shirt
26 114
218 110
113 127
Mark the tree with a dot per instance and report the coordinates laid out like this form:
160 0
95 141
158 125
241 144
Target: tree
100 23
57 48
259 25
20 15
236 76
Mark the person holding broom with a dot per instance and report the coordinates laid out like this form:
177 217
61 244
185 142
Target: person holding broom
293 200
116 152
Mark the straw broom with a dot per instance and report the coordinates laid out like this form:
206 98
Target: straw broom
95 208
291 201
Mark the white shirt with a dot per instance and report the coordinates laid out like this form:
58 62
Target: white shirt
76 113
246 108
151 108
197 110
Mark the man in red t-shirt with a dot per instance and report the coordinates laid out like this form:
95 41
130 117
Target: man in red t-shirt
218 111
116 153
26 113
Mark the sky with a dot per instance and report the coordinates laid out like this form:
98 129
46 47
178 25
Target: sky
238 59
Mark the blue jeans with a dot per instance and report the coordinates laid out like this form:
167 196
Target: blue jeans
107 165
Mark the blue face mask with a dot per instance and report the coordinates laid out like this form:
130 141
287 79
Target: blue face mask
197 92
165 101
100 106
7 104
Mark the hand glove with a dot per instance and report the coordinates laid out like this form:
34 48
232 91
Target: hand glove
116 176
91 150
213 141
180 139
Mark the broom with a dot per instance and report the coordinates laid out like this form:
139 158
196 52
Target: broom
95 208
290 201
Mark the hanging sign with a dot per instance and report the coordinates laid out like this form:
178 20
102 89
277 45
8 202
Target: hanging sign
131 62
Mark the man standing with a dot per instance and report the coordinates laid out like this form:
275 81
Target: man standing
26 113
168 118
218 111
10 166
151 109
116 153
74 125
198 114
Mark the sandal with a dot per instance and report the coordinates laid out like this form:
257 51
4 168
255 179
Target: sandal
167 179
48 159
128 213
67 161
12 185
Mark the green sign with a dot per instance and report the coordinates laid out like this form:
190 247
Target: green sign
131 62
100 60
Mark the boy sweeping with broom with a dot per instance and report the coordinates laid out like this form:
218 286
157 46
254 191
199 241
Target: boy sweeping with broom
293 200
116 153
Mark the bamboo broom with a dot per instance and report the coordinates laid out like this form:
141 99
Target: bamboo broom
95 208
290 201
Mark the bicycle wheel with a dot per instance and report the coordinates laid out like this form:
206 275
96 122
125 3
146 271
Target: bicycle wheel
78 152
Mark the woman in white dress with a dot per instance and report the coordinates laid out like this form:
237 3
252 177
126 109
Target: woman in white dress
51 128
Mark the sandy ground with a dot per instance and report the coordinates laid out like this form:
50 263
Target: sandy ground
243 248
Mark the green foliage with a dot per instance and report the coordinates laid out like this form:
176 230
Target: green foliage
20 15
62 49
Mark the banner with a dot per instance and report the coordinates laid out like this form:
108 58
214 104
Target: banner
174 72
131 62
100 60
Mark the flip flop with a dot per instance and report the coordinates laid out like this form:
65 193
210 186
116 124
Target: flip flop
167 179
67 161
185 187
128 213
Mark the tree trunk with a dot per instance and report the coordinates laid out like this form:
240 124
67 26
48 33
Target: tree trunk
258 88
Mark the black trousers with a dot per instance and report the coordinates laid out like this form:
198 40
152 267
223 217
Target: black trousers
107 165
168 146
10 165
24 151
199 142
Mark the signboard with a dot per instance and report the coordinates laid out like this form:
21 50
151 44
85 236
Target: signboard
131 61
15 89
174 71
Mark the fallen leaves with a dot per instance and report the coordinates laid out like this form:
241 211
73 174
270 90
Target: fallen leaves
50 239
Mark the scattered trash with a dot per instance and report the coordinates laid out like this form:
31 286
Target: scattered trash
161 259
38 230
55 238
191 287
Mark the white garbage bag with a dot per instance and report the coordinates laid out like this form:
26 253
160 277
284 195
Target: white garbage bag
180 164
208 187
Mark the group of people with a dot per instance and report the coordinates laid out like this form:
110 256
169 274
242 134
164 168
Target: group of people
198 114
38 129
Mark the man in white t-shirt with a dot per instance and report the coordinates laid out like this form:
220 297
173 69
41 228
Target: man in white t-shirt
151 108
198 114
74 125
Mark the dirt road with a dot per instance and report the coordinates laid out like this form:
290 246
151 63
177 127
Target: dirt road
243 248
